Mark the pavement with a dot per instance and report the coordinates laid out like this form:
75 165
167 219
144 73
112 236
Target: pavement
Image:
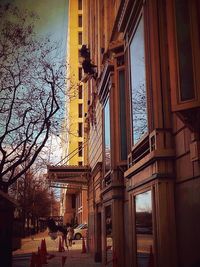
74 256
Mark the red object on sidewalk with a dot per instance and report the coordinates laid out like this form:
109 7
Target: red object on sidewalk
151 258
43 258
63 260
83 246
33 258
39 251
42 246
38 261
45 247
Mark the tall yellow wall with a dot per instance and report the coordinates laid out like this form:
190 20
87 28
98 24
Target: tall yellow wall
73 61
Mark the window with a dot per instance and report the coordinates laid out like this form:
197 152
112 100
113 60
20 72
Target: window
80 21
107 145
80 92
80 163
80 149
144 225
184 56
108 230
138 83
122 115
79 73
80 110
79 4
80 38
73 201
80 129
185 50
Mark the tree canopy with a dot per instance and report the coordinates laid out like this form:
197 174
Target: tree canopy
32 88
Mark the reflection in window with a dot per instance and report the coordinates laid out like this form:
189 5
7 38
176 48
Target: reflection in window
107 136
144 233
184 49
108 226
138 82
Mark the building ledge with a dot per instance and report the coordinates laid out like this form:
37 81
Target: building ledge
149 159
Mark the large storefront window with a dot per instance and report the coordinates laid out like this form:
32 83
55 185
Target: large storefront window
109 241
144 228
138 83
107 145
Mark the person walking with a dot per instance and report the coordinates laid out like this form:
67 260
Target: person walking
32 231
70 234
64 237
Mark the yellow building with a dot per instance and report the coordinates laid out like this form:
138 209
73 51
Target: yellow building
74 199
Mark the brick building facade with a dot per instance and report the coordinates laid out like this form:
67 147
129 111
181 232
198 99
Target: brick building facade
143 125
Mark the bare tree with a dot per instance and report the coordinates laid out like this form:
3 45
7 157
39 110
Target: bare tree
35 199
32 84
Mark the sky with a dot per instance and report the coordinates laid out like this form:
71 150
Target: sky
52 18
53 21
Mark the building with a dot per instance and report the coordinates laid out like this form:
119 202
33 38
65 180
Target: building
73 189
143 126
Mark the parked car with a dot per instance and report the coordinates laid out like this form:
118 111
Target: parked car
80 231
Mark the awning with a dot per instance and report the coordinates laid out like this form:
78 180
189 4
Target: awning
76 175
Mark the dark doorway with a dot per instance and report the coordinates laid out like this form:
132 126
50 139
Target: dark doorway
98 254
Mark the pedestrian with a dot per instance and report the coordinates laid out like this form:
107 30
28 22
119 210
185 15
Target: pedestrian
64 237
70 234
32 231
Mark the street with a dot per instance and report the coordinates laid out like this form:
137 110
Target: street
74 257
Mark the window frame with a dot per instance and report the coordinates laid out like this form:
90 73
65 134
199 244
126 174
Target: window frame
106 173
122 129
134 29
132 229
176 103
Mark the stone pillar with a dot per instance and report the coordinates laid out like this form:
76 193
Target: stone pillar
165 224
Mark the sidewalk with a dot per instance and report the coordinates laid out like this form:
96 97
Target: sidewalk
74 257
